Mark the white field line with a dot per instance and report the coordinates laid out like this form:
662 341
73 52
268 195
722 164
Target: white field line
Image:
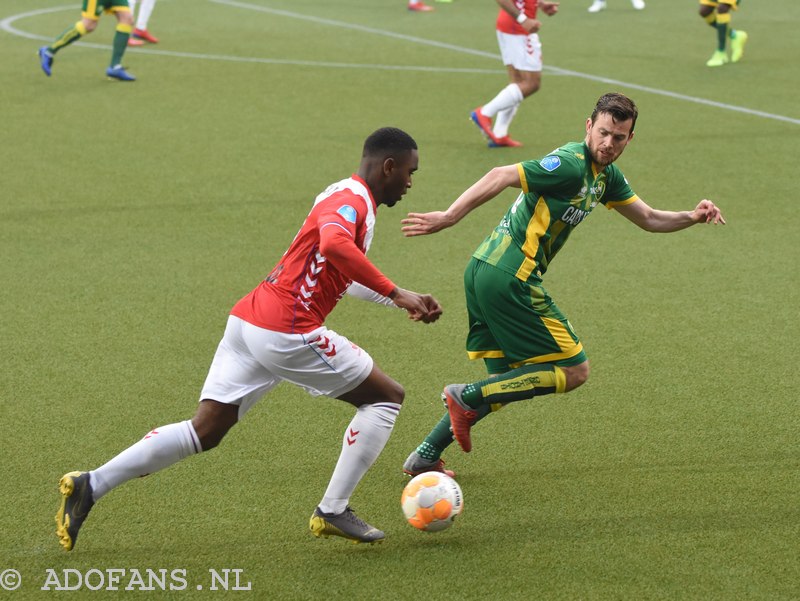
555 70
7 25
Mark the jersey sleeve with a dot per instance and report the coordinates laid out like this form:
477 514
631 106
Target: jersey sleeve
339 220
344 210
557 174
340 249
618 192
357 290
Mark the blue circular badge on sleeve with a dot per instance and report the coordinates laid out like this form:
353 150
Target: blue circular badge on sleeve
550 163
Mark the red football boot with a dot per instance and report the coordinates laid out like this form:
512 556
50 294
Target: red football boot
145 35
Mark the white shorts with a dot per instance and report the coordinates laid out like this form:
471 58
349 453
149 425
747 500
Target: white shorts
250 361
523 52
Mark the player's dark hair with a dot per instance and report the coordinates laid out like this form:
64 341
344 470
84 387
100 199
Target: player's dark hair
388 141
619 106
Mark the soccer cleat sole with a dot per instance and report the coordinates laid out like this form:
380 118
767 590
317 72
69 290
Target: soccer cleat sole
66 486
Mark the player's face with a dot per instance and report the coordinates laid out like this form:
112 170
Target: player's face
606 138
399 176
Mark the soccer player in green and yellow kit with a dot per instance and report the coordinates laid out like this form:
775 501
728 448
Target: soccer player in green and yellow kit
527 343
90 14
717 13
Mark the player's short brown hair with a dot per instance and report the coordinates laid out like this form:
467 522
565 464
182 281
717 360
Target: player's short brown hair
619 106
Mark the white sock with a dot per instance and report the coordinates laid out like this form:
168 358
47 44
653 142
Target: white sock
363 441
503 121
159 449
144 13
508 97
132 5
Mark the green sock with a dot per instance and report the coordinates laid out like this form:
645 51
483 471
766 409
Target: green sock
722 36
121 37
516 385
67 37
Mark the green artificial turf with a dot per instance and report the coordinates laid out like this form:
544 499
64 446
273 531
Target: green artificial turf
133 216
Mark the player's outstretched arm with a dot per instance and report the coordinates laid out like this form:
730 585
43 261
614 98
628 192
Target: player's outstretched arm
654 220
420 307
486 188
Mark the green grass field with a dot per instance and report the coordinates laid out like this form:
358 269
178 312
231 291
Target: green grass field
132 217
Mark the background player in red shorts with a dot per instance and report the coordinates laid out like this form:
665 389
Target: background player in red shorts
521 50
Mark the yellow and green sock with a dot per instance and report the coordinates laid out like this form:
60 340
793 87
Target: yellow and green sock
492 394
519 384
68 36
121 37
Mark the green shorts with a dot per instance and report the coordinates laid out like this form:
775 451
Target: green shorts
91 9
512 322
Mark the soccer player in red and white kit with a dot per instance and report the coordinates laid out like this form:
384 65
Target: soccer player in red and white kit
277 333
518 38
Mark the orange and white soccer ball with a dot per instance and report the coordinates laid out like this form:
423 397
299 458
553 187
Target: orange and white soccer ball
431 501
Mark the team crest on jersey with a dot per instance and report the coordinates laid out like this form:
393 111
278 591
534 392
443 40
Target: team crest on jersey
348 212
599 189
550 163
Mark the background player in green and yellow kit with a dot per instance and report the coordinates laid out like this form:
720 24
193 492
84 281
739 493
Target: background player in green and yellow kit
90 13
526 342
717 13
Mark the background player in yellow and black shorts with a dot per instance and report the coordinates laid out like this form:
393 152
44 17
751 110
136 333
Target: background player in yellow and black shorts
90 13
717 13
528 345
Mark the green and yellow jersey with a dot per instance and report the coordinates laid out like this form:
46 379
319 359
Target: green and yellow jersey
558 193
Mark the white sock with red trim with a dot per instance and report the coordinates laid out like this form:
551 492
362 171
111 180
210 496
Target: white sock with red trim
364 440
508 97
503 121
159 449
